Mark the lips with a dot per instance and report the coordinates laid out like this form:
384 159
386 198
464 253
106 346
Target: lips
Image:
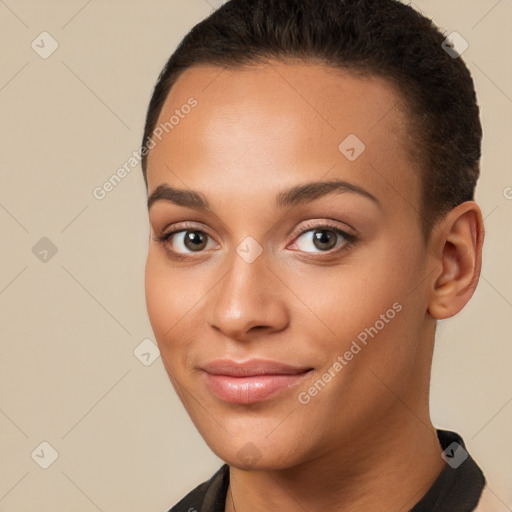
251 381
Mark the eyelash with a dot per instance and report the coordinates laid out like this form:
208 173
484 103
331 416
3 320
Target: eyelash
350 239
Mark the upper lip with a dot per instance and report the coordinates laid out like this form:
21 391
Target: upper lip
252 367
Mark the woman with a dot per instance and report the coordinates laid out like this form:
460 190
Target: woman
310 169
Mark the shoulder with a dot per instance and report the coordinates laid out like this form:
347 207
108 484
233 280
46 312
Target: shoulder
209 496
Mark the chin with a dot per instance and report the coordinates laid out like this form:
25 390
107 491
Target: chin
256 451
250 458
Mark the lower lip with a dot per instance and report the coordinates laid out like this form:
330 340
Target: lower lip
248 390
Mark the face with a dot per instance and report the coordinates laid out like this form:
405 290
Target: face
290 319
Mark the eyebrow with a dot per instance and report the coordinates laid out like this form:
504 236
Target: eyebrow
299 194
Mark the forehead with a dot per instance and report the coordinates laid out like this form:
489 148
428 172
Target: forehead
282 122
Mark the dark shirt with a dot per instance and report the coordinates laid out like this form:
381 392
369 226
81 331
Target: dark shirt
457 488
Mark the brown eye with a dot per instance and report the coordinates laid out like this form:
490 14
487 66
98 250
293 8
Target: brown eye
195 240
324 239
182 242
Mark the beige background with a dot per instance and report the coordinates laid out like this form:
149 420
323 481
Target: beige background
68 373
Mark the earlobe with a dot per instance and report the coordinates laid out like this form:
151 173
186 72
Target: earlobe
459 238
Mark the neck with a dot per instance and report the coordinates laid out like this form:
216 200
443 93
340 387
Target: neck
391 472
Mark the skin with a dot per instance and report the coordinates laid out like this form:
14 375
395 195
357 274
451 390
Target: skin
365 441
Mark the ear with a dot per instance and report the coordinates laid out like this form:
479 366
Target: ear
456 244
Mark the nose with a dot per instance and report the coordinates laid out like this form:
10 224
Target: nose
249 301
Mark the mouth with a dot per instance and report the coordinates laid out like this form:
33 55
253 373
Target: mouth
251 381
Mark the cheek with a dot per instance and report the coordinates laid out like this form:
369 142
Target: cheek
369 302
349 298
164 312
175 301
167 300
157 297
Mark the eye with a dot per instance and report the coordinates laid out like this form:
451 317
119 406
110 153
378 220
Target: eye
194 241
323 238
184 241
187 239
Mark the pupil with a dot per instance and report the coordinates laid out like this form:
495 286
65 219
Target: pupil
195 238
322 240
